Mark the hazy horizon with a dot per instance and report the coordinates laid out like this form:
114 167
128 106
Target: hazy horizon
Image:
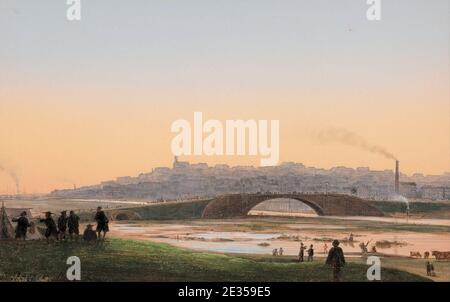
88 101
69 184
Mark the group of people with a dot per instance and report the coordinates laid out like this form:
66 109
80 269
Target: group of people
277 252
335 256
59 231
66 224
301 253
310 252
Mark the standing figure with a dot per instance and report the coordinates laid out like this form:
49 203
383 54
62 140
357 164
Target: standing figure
274 252
310 253
301 253
280 251
428 266
62 225
325 248
22 225
433 274
430 269
74 224
102 223
336 260
51 226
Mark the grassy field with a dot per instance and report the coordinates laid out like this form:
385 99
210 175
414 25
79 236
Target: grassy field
426 209
168 211
127 260
417 266
414 266
160 211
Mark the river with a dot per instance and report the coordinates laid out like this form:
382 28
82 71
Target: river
212 238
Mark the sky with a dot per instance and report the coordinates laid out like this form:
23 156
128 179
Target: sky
87 101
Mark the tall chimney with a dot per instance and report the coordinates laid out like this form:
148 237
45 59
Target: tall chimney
397 178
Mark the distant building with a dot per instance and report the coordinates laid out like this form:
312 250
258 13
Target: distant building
185 180
433 193
125 180
200 166
408 189
108 183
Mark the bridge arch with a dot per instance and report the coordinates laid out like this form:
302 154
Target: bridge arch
238 205
285 206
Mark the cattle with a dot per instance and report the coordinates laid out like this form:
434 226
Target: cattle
415 254
441 255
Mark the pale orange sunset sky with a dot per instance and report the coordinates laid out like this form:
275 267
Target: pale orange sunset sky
89 101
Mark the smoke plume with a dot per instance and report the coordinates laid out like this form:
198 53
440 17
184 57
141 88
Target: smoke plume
13 176
343 136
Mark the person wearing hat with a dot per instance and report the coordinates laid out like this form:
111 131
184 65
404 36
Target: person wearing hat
74 224
102 223
22 225
336 260
62 225
301 253
89 234
51 226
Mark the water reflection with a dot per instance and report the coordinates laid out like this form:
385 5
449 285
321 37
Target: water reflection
196 237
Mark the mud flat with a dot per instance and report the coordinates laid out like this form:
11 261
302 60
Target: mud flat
256 237
249 235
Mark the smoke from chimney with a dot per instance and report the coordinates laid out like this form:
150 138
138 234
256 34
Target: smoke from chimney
13 176
346 137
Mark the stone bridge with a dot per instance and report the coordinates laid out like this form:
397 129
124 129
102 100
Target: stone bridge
236 205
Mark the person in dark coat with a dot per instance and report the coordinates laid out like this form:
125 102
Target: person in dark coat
73 224
102 223
89 235
62 225
301 253
310 253
22 225
336 260
51 226
430 269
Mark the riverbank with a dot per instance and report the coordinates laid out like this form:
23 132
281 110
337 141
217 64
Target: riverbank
262 234
135 260
414 266
256 237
